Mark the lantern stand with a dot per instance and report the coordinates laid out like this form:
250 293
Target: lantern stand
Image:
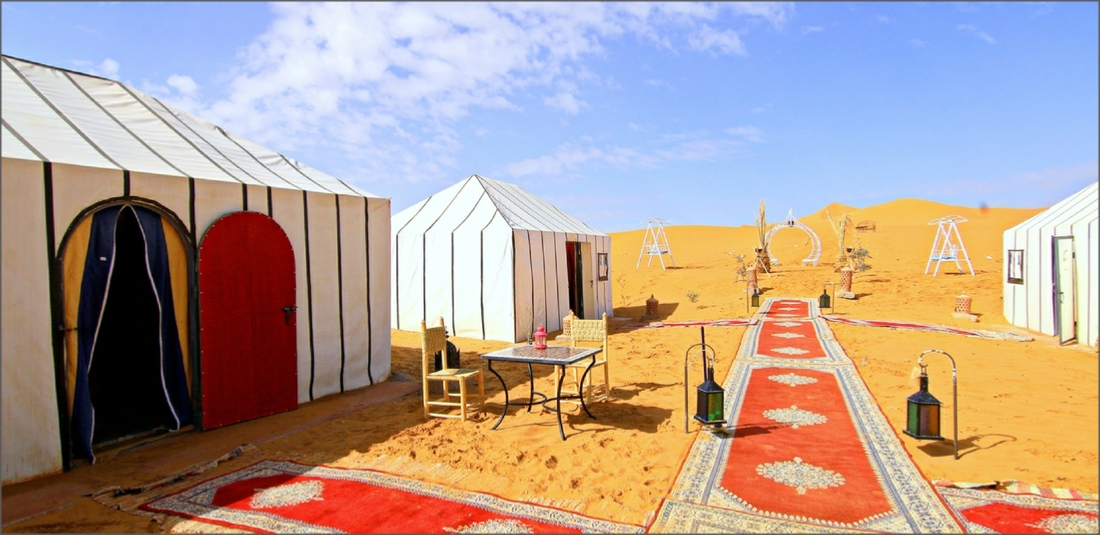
689 359
746 281
954 393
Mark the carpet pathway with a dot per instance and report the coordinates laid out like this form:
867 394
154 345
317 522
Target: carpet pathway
806 450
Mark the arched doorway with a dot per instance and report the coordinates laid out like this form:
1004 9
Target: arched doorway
125 280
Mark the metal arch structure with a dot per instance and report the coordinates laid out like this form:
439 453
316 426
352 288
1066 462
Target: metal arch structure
815 253
944 247
655 242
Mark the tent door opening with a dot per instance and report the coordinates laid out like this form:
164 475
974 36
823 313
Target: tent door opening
124 380
575 277
1065 292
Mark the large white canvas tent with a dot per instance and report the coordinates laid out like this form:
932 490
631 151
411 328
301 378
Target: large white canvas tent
495 262
213 280
1051 270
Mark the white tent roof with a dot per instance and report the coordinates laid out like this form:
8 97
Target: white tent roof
62 116
520 209
1080 206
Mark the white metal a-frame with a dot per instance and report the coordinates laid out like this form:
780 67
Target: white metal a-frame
815 253
948 244
655 242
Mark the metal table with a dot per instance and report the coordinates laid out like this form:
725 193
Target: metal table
553 356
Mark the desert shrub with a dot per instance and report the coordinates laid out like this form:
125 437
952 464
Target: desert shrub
692 295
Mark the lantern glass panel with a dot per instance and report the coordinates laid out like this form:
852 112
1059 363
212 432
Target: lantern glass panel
715 406
930 420
824 301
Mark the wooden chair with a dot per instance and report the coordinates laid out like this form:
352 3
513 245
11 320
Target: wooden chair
589 331
435 340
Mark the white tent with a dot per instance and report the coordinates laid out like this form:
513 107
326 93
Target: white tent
495 262
1051 270
81 150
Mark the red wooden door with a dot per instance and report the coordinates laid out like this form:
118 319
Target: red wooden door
247 320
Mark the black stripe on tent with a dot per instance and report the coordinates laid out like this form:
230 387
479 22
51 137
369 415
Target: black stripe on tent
244 197
481 256
424 246
309 294
23 141
125 183
397 264
60 114
191 208
531 265
454 320
253 177
300 172
515 298
340 288
270 207
557 286
57 300
123 126
370 327
174 129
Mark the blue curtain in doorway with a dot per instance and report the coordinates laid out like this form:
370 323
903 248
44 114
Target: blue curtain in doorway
94 288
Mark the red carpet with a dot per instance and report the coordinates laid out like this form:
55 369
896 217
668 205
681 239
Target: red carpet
806 448
283 496
905 325
993 511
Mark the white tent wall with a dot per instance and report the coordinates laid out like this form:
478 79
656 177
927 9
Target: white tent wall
29 404
1031 304
91 129
498 284
441 255
469 266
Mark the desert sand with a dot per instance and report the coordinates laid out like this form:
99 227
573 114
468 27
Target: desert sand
1027 410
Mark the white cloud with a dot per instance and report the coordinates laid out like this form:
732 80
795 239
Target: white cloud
653 82
807 30
565 102
108 68
749 133
883 19
392 81
726 42
917 43
1047 186
762 109
970 29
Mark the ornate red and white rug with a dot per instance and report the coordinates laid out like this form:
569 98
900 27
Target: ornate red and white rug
806 448
991 511
284 497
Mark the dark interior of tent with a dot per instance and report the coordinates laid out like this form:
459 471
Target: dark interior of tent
575 277
124 380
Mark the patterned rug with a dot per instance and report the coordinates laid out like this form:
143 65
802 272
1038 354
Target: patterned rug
977 333
736 322
990 511
283 496
806 450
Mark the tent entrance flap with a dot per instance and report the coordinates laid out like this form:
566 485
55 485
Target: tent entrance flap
1065 292
130 376
575 276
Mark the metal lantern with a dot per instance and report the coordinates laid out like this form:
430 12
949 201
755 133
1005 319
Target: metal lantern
710 402
540 338
755 297
923 422
824 301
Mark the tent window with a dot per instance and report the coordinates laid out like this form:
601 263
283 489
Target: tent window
604 268
1015 266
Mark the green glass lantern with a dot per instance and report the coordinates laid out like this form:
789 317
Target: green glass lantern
923 409
824 301
755 298
710 403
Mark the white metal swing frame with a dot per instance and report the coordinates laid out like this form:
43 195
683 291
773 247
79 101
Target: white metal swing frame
815 253
943 248
658 245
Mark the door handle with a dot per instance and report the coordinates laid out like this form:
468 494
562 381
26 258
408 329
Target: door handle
286 313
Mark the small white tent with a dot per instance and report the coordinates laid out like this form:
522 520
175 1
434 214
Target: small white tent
495 262
1051 270
212 279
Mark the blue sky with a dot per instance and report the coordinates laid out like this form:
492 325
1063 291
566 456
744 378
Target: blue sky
619 112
